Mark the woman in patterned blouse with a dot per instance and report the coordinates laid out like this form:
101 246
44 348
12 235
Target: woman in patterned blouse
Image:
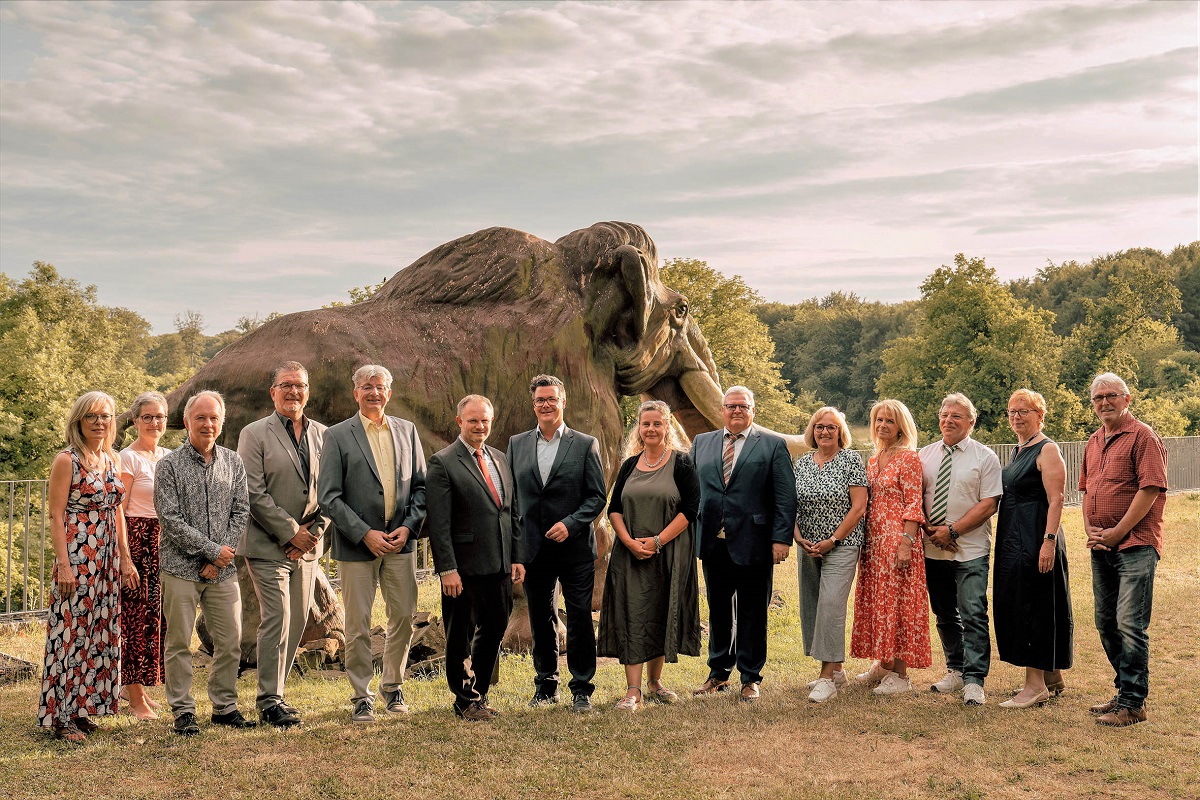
831 499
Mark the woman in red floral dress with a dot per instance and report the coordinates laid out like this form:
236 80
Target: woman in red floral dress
91 558
891 601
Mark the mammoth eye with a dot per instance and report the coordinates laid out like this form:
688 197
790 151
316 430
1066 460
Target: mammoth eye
681 309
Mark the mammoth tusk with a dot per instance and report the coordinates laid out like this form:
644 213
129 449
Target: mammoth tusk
705 394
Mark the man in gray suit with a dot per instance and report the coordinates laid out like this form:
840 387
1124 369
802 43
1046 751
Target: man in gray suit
283 538
372 485
475 535
747 513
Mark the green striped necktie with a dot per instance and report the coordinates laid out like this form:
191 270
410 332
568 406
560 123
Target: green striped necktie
941 490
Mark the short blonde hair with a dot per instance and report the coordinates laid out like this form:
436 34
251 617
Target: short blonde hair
473 398
215 395
907 438
810 437
633 444
80 409
1034 399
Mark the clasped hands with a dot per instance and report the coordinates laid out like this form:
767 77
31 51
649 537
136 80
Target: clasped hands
940 536
305 541
1103 539
381 544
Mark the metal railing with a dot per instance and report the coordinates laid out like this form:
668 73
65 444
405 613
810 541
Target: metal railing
28 558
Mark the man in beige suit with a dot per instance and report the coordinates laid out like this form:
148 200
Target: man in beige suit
282 453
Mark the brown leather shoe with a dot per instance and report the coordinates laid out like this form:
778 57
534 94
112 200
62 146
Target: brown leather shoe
750 692
711 686
1122 717
1103 708
475 712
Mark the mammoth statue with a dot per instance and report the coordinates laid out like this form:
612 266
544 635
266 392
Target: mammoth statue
483 314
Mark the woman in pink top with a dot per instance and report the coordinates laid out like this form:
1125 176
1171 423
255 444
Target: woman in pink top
141 608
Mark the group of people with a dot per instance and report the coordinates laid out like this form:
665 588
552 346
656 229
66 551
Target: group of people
145 539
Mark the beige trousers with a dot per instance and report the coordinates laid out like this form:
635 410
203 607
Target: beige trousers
222 605
284 590
396 576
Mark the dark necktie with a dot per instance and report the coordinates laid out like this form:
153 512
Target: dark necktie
727 458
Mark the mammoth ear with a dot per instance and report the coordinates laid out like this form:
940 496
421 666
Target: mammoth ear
621 295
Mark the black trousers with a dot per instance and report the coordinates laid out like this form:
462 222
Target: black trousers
475 623
737 596
578 580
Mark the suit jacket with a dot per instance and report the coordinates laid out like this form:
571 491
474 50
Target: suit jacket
350 488
467 530
574 494
757 508
282 498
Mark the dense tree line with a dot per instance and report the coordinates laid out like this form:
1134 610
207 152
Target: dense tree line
1136 312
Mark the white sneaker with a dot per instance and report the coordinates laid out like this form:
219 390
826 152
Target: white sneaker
839 679
973 695
825 689
872 676
893 684
949 684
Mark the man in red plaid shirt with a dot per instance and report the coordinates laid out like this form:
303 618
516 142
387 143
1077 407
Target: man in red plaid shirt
1124 480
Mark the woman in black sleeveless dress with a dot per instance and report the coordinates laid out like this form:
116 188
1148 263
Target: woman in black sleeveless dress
1030 587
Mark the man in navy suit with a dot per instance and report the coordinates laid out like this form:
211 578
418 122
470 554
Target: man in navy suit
475 534
560 486
747 513
372 485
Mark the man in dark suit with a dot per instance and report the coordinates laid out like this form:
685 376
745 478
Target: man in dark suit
474 531
747 513
560 489
282 542
372 485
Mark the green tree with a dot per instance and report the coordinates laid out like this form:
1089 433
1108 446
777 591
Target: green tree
741 344
1185 262
56 343
358 294
973 336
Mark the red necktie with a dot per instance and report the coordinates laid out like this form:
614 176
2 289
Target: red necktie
487 476
727 456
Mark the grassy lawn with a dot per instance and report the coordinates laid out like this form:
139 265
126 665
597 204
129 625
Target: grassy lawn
915 746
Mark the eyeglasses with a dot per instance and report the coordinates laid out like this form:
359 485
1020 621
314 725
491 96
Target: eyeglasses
93 418
1106 398
825 428
1019 412
737 407
153 419
545 401
955 417
298 387
372 387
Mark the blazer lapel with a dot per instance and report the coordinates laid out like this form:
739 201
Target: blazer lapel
281 436
399 450
505 476
752 438
360 436
564 447
471 464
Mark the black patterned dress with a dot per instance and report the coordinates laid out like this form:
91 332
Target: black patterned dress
82 673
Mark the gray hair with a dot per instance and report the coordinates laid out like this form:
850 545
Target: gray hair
473 398
371 371
1110 379
187 408
288 366
739 390
960 399
145 399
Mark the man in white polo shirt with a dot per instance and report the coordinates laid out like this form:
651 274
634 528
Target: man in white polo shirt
962 492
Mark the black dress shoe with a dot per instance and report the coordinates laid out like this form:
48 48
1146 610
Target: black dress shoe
280 716
185 724
233 719
582 704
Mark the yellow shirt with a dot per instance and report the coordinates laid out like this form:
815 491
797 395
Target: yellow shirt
384 451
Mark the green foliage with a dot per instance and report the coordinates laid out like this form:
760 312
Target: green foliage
56 343
1184 261
741 344
358 294
973 336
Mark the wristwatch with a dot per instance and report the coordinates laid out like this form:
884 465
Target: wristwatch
953 533
1050 537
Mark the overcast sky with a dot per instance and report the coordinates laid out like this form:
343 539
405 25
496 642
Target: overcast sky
241 158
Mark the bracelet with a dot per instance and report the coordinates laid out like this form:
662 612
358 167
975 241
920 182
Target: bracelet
909 536
657 543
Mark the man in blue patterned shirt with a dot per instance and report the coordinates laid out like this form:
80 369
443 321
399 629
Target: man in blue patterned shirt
203 506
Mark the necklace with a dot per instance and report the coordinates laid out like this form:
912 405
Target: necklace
1028 441
151 455
661 456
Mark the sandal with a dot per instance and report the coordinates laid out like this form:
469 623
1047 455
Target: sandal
70 733
631 703
662 694
85 725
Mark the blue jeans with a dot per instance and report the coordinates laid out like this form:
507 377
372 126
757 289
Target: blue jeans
1123 587
958 598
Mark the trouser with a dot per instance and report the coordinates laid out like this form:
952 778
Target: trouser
475 623
824 589
284 589
1123 588
578 580
222 606
958 598
738 596
396 575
